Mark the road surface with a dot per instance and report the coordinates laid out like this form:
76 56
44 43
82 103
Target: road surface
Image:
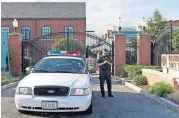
125 104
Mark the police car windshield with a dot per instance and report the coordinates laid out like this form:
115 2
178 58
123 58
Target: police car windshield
60 65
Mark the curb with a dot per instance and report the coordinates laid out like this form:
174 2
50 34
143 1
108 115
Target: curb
9 85
123 80
162 101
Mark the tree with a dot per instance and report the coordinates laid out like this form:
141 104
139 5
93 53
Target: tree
133 40
175 41
156 24
61 45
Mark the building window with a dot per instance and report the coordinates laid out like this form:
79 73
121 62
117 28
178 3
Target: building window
69 31
45 31
5 29
25 30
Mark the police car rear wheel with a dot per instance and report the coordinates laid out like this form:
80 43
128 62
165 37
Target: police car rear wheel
90 109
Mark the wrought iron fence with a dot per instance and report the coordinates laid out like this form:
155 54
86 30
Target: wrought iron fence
161 45
87 43
131 54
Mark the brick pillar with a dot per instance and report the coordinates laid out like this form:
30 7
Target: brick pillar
15 53
119 51
144 49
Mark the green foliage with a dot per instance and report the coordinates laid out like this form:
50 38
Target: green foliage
139 80
7 79
175 41
161 89
122 72
134 41
156 24
133 70
61 45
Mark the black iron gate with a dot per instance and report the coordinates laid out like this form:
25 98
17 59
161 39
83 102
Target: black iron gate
131 54
161 45
87 43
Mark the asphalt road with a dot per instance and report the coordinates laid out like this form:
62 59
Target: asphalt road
125 104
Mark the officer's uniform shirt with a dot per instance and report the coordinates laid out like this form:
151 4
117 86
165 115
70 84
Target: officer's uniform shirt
105 66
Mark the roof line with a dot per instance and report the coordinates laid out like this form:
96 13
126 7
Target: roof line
43 18
42 2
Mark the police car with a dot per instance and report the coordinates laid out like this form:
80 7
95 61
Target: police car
56 84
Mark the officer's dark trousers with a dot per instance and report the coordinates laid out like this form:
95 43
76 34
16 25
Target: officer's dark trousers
105 75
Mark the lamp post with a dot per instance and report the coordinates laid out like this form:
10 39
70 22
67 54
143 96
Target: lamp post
15 25
119 24
171 28
68 38
143 25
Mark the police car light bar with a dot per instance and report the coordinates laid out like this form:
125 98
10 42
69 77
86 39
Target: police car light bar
63 53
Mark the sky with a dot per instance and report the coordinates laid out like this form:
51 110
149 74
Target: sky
104 14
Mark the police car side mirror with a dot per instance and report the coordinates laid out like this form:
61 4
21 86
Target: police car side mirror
29 70
92 71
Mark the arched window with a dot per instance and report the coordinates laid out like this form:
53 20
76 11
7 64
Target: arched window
25 30
45 31
69 31
5 29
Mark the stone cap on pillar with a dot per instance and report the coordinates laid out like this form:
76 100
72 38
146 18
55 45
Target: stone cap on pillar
120 34
143 34
146 35
14 34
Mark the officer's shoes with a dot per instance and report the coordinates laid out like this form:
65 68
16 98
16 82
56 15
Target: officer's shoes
103 96
110 95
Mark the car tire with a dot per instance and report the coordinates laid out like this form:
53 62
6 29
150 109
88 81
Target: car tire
90 109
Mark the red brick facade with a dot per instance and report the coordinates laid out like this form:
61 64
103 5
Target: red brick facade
144 49
174 23
57 25
119 51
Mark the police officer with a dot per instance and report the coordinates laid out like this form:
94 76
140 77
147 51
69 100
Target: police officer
104 65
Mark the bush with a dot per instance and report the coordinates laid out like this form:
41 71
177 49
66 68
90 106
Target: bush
139 80
122 72
7 79
161 89
133 70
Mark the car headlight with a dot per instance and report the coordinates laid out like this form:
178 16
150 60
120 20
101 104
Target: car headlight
25 90
80 92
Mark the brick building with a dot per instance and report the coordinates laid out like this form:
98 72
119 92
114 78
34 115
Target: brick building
36 19
174 23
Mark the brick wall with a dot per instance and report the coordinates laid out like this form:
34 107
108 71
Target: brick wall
174 23
79 25
14 42
153 77
56 25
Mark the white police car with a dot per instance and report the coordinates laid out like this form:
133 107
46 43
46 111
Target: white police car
56 84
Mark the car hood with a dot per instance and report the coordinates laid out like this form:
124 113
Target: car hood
54 79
